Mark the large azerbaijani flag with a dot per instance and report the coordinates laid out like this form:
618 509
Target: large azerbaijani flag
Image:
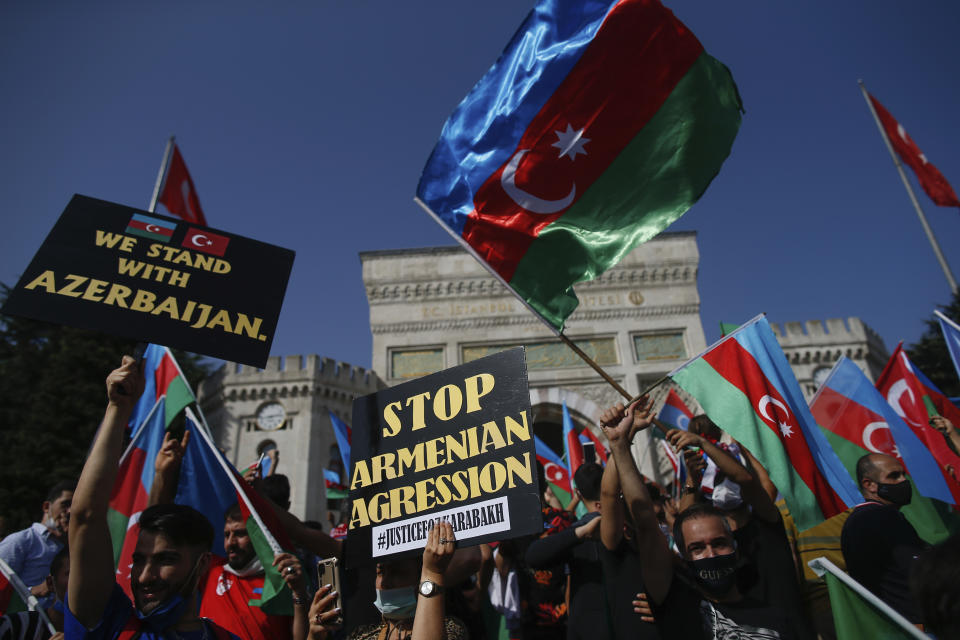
600 124
745 384
857 420
914 398
553 467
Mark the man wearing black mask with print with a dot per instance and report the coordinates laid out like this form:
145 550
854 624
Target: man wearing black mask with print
696 598
879 545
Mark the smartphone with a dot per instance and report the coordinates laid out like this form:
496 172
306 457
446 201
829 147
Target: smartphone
328 572
589 452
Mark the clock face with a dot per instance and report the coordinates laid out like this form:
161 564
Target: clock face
271 416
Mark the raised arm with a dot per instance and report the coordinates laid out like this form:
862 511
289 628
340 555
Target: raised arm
91 557
949 431
611 526
428 619
620 425
166 469
750 487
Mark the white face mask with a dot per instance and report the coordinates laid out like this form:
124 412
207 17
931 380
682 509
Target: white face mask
726 495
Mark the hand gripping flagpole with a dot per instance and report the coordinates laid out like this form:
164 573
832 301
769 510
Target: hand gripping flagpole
577 350
164 165
913 197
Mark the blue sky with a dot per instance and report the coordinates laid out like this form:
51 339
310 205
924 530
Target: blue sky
307 125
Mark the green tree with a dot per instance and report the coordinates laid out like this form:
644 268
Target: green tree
930 353
52 397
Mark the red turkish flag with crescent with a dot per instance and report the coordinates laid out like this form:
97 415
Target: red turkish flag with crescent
929 176
178 194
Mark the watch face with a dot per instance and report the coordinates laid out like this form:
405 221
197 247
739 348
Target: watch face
271 416
426 587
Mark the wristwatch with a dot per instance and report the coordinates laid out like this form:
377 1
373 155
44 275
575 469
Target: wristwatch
429 588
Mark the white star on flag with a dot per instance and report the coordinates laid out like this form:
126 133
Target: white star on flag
570 142
786 430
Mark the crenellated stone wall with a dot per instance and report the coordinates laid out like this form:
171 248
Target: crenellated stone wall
307 388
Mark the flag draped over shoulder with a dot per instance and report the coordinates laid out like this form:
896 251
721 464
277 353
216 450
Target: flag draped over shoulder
857 421
178 194
745 385
929 176
909 396
600 124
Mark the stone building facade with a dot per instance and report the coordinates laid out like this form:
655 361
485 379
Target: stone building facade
438 307
286 405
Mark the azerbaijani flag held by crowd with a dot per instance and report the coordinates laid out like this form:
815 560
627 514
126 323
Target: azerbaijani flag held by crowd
163 377
600 124
674 412
571 443
745 384
857 420
553 466
951 335
343 434
910 396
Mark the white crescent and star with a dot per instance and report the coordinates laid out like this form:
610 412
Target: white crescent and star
785 428
868 434
152 228
896 392
195 240
903 136
570 143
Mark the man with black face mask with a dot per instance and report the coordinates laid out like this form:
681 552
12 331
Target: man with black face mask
699 597
879 545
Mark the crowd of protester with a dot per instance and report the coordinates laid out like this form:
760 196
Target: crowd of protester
719 558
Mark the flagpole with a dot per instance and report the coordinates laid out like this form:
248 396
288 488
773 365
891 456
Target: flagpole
577 350
140 428
164 165
821 566
913 198
23 591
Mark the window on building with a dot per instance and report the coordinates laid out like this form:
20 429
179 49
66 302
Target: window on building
550 354
653 347
414 363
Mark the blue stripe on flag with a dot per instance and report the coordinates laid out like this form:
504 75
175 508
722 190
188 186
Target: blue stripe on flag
484 130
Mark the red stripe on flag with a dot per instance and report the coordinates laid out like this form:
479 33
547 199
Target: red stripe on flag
637 57
165 374
740 369
129 495
852 421
674 400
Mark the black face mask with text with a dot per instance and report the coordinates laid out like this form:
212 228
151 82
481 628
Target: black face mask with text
899 493
716 575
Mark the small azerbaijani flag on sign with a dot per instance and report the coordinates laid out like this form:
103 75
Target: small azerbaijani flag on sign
151 228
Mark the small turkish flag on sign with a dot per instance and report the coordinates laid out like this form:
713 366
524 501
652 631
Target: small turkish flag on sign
206 241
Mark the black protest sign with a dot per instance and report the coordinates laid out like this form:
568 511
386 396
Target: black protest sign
455 445
156 279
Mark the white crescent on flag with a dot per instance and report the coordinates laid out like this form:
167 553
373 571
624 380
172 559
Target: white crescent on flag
762 409
895 394
528 201
868 432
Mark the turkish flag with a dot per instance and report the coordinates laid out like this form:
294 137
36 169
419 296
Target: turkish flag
178 194
929 176
206 241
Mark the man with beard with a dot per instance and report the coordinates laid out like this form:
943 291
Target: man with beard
699 597
228 588
172 552
30 551
879 545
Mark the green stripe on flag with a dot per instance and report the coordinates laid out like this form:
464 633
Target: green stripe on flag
922 513
179 396
856 618
117 524
732 411
276 598
655 179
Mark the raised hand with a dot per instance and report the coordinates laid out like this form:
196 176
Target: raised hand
620 424
125 384
171 453
441 543
323 617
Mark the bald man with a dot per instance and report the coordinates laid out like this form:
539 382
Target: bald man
879 545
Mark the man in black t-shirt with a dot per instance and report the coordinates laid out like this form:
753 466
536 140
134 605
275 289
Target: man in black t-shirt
697 595
878 544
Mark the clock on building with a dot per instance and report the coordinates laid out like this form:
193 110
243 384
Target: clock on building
271 416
